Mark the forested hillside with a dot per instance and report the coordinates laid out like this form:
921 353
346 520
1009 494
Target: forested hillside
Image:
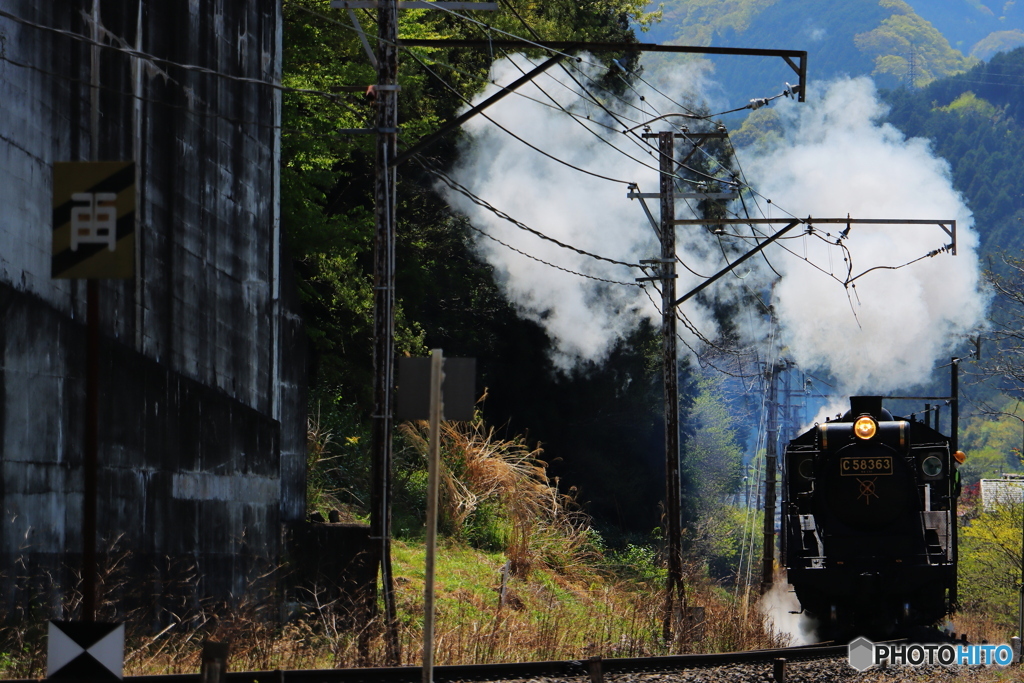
975 122
884 38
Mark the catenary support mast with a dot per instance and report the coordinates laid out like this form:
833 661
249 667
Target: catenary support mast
386 92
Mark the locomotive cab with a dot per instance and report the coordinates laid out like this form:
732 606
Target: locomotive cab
867 519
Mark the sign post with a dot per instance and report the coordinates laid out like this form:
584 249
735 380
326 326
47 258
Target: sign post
434 389
93 238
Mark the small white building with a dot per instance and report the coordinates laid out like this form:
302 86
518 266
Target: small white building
1009 490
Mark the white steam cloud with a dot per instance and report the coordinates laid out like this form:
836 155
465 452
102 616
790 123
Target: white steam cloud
888 331
783 614
835 159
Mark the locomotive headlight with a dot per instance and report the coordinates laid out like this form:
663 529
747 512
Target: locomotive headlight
865 427
931 466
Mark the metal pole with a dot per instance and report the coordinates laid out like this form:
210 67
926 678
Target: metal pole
674 588
90 455
1020 602
768 565
954 440
90 463
433 467
384 317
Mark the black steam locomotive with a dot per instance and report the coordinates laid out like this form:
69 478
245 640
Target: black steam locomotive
868 522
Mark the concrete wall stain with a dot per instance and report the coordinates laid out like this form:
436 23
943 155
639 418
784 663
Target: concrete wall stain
202 414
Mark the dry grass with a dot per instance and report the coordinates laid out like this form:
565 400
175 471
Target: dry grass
497 490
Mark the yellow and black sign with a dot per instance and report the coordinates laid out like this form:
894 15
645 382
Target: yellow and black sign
93 219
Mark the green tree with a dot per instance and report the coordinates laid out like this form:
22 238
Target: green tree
447 297
712 457
990 563
711 470
992 441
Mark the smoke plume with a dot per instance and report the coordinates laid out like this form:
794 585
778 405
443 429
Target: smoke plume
890 327
885 331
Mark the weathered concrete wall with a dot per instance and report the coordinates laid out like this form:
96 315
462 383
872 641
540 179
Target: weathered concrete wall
202 421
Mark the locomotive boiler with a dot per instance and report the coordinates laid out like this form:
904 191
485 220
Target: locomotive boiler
868 522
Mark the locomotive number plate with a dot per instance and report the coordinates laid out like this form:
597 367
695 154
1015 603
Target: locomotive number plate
859 466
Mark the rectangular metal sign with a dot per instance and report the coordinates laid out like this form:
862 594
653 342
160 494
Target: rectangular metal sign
458 388
865 466
93 220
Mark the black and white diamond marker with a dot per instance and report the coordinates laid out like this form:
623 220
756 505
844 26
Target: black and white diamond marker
85 651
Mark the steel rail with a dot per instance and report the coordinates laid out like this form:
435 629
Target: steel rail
499 672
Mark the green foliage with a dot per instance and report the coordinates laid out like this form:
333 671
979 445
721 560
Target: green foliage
711 455
725 542
969 104
637 563
903 33
989 576
339 467
338 460
992 443
980 135
697 22
761 130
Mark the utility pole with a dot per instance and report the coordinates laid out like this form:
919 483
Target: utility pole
90 459
954 438
386 93
675 592
768 566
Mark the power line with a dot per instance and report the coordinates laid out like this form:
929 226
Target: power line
592 99
159 60
510 133
504 216
164 103
552 265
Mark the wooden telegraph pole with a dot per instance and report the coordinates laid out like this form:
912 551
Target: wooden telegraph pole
386 93
675 596
770 460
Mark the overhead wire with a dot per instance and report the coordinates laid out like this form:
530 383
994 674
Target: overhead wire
520 139
593 98
678 313
702 357
588 97
189 109
647 147
159 60
557 267
461 189
638 139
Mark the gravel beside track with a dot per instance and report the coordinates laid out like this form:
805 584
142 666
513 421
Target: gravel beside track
835 670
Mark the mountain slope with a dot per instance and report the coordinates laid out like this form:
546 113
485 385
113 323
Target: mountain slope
842 39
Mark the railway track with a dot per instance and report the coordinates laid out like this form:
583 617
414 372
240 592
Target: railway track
595 668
